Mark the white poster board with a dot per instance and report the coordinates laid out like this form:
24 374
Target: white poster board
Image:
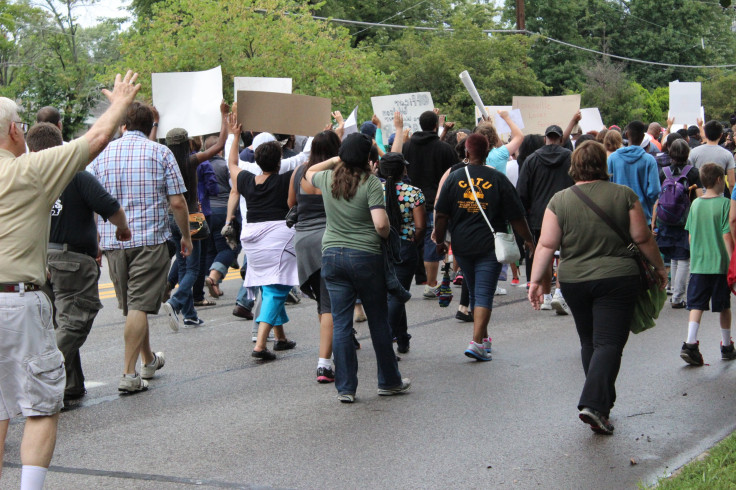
189 100
490 109
411 106
502 127
351 123
541 112
591 120
262 84
685 102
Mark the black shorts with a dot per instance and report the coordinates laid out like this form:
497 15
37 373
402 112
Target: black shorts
708 288
318 288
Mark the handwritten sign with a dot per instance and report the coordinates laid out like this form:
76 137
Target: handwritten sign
411 106
189 100
541 112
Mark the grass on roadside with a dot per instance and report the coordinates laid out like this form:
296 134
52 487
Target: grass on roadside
717 470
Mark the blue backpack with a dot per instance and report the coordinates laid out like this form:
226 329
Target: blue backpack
674 198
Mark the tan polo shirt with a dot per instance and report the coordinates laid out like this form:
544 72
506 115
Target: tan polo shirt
29 187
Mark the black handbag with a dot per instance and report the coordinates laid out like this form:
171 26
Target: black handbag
198 227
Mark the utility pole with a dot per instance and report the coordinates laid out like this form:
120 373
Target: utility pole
520 18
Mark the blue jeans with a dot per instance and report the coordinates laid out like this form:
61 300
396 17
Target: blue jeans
404 273
349 274
188 267
481 274
242 298
221 255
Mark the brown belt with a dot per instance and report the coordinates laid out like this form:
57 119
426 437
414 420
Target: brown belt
15 287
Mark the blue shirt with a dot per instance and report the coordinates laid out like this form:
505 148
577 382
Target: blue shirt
633 167
498 158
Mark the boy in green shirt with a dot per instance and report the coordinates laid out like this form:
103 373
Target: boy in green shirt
710 253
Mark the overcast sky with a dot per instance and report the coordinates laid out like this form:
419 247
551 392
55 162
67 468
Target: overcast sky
88 15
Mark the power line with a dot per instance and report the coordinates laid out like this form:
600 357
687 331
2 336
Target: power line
391 17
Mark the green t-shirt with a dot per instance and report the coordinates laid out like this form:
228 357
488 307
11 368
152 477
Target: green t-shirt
590 249
707 223
349 223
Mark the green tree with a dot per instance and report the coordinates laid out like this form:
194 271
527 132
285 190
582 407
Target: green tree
719 95
269 38
618 99
17 25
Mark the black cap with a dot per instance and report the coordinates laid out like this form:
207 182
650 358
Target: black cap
354 149
553 129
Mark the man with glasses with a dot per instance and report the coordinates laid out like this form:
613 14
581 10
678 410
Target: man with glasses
32 367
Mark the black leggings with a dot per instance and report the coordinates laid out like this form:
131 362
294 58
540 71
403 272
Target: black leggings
602 310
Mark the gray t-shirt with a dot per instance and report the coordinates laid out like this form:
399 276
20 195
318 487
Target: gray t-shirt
711 154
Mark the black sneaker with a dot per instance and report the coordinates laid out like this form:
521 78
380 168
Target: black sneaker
679 306
284 345
464 317
402 344
325 375
690 353
728 353
597 421
263 355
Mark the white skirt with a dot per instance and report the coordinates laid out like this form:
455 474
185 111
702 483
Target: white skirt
269 249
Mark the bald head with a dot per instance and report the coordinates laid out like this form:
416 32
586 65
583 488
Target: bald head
655 129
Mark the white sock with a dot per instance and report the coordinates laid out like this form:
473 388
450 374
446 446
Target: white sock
547 297
692 332
324 363
726 336
32 477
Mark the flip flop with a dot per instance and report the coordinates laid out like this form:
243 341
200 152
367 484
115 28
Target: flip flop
205 302
213 288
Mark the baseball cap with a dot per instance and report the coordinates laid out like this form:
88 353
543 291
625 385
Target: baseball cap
554 129
177 136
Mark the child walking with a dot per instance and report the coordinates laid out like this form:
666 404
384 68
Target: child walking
710 252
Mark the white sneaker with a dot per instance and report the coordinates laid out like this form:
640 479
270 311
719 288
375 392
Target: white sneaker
560 306
500 291
546 305
173 316
477 352
431 292
148 370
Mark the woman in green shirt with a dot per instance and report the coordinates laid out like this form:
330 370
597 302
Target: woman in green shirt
597 273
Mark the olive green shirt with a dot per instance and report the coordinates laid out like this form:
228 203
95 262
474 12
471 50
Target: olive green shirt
590 249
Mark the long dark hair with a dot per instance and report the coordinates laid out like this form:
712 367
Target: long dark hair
188 172
324 146
391 167
354 168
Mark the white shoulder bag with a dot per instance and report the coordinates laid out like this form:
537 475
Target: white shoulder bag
507 251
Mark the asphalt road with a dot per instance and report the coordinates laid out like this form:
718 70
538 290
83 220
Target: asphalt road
215 418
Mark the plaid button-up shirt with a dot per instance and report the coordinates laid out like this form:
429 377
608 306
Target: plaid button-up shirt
140 174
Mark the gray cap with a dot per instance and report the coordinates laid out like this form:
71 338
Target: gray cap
176 136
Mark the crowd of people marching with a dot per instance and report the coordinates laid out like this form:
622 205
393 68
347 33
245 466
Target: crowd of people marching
342 219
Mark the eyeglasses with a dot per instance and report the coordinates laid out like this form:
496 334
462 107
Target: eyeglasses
22 126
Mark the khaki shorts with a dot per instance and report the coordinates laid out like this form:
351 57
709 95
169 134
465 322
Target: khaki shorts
139 276
32 375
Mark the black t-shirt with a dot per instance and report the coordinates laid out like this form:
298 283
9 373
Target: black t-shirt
72 217
501 203
266 201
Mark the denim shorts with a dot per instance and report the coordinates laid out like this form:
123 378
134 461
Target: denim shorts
481 274
430 248
708 288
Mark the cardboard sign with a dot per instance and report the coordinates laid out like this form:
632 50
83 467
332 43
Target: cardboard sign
541 112
591 120
189 100
283 113
262 84
410 106
685 102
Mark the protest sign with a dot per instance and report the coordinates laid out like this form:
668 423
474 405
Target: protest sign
541 112
410 106
470 87
591 120
283 113
491 110
685 102
262 84
502 127
351 123
189 100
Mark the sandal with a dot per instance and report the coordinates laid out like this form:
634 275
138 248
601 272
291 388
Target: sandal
213 288
205 302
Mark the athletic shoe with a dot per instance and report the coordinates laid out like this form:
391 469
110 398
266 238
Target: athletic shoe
431 292
346 398
487 345
464 317
132 385
500 291
546 305
728 353
402 388
173 316
402 344
263 355
515 281
325 375
477 352
690 353
679 306
242 312
559 305
193 322
458 281
148 370
598 422
284 345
